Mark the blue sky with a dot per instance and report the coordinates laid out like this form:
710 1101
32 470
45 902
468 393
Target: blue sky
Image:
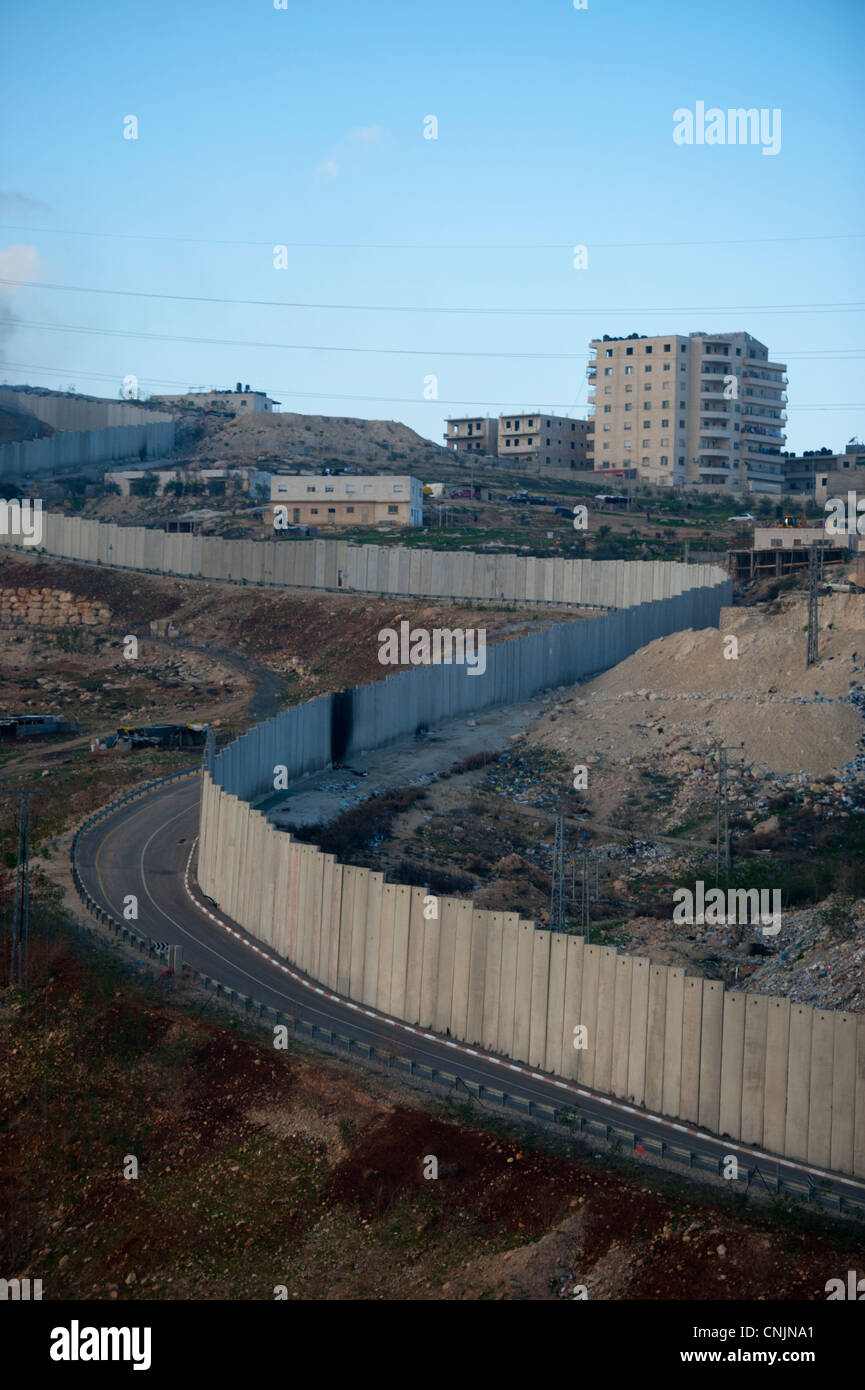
305 126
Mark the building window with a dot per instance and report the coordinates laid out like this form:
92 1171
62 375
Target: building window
629 371
608 352
629 352
328 489
629 427
607 409
666 347
548 426
367 487
664 461
350 510
665 424
393 509
665 405
608 371
666 366
331 511
627 443
681 424
646 443
606 444
531 424
310 489
629 406
607 429
397 487
681 405
314 511
645 458
682 461
548 444
647 369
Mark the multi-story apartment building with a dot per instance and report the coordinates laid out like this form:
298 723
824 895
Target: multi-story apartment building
535 438
822 473
684 410
328 500
471 434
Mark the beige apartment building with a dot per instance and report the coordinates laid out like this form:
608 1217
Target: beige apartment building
537 438
471 434
706 408
325 500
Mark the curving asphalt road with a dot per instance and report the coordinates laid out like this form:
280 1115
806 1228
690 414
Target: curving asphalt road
144 848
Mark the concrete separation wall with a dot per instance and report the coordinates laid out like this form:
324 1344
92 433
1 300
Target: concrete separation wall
356 568
763 1072
70 449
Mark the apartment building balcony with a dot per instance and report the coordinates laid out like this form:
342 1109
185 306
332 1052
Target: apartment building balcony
762 432
592 371
754 414
717 430
715 355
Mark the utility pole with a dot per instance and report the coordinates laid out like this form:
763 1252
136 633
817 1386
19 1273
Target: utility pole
722 813
815 576
557 892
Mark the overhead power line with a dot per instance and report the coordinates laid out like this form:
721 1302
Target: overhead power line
342 396
332 347
423 245
854 306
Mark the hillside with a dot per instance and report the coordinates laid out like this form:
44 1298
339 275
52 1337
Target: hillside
311 439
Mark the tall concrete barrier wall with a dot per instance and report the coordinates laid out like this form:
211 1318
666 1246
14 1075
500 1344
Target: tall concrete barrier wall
78 413
760 1070
70 449
334 564
790 1079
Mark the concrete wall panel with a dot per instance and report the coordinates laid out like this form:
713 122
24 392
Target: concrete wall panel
732 1063
711 1043
775 1088
799 1081
655 1037
621 1026
692 1026
843 1093
556 1003
754 1067
820 1099
638 1029
673 1029
508 975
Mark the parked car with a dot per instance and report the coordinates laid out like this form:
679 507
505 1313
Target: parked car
519 497
746 516
563 511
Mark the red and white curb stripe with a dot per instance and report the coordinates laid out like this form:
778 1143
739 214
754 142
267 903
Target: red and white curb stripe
497 1061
